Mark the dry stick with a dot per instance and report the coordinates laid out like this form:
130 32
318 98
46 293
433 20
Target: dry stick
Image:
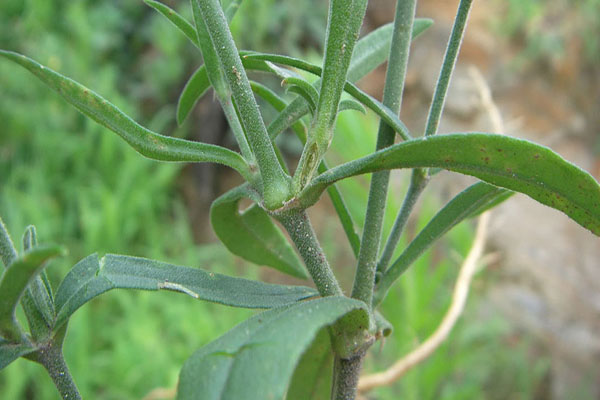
465 276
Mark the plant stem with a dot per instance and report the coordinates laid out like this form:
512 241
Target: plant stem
392 98
300 229
418 182
346 373
275 180
439 96
52 359
419 179
343 27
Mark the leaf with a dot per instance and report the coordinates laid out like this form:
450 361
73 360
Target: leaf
92 276
373 49
194 89
8 253
304 89
460 207
9 352
15 280
256 359
144 141
253 235
511 163
350 104
37 300
293 113
314 373
181 23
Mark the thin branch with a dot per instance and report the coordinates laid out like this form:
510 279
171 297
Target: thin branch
467 270
459 297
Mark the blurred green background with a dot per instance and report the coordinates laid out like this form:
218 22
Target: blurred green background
84 188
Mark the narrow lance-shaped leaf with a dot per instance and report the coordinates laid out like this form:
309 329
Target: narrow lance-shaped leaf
370 52
314 373
92 276
37 300
373 49
252 234
514 164
146 142
9 352
15 280
194 89
177 20
8 253
304 89
292 114
269 345
460 207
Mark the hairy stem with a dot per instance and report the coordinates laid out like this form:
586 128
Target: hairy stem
346 373
364 280
275 180
300 229
418 182
52 359
439 96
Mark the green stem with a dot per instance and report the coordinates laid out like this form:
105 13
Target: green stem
302 234
345 379
418 182
439 96
364 280
52 359
343 26
275 181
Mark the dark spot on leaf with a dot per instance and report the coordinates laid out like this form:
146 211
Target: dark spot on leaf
536 156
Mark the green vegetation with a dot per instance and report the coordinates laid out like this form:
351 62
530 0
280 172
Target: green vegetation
89 192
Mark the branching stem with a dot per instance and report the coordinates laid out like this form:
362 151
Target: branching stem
302 234
52 359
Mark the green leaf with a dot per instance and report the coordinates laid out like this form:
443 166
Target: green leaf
256 359
495 201
181 23
8 253
194 89
9 352
15 280
350 104
146 142
370 52
511 163
304 89
252 234
37 300
313 376
459 208
92 276
373 49
294 113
